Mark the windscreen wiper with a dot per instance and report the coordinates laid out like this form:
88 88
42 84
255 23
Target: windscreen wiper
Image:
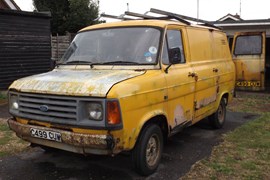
78 62
121 62
114 62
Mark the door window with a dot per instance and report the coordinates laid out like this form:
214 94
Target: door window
248 45
173 40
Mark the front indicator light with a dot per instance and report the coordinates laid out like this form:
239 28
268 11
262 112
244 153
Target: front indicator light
113 113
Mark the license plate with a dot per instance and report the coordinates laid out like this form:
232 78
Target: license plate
49 135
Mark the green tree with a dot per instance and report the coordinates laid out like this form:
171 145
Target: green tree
81 14
69 15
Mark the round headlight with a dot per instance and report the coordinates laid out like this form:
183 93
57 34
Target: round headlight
95 111
14 104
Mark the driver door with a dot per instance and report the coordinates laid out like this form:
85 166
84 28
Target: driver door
180 85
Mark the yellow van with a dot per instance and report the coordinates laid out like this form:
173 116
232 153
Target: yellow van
126 86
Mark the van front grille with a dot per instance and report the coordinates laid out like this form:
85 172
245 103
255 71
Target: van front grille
48 108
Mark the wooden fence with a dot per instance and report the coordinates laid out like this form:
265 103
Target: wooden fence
60 45
25 45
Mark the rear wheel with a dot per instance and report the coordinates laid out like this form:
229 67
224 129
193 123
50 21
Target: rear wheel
217 119
148 150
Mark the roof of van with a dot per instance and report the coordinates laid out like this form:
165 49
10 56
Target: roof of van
155 23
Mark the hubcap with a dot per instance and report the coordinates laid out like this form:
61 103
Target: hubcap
152 150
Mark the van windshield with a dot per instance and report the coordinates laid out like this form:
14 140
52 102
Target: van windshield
129 46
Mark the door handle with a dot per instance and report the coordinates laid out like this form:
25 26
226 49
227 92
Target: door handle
215 70
192 74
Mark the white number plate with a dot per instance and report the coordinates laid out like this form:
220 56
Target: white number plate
50 135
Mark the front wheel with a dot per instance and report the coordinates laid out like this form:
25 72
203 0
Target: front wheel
148 150
217 119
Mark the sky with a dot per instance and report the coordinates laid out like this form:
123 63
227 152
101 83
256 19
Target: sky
209 10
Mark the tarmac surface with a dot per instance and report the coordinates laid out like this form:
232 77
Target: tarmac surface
4 110
180 153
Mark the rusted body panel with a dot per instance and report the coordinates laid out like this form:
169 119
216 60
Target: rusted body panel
75 142
250 66
74 82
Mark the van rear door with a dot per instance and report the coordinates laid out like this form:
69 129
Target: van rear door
248 53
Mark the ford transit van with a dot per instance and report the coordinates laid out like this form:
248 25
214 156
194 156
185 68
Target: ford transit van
127 86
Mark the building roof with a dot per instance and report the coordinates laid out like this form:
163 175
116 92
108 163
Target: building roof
230 18
235 20
9 4
46 15
255 22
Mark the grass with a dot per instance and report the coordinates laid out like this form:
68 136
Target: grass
9 143
3 97
245 152
250 103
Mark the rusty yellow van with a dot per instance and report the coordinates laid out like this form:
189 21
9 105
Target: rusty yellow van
126 86
249 55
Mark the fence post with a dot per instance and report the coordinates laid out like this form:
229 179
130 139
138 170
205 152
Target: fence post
57 47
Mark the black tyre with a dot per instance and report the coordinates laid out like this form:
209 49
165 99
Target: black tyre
217 119
148 150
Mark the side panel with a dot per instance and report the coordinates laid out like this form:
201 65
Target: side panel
201 50
249 58
213 68
225 68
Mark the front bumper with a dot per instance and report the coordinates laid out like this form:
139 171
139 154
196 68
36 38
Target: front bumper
73 142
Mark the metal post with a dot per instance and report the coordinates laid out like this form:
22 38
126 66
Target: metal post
198 6
57 47
240 8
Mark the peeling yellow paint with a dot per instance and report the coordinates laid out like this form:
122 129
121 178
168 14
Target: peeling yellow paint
179 117
71 82
206 101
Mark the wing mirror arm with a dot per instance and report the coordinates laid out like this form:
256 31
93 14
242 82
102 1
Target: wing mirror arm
167 68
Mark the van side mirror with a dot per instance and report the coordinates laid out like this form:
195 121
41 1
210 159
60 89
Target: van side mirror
174 55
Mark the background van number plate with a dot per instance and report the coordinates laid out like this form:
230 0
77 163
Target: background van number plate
50 135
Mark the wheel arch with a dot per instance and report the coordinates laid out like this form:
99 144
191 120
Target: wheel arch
226 97
159 120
